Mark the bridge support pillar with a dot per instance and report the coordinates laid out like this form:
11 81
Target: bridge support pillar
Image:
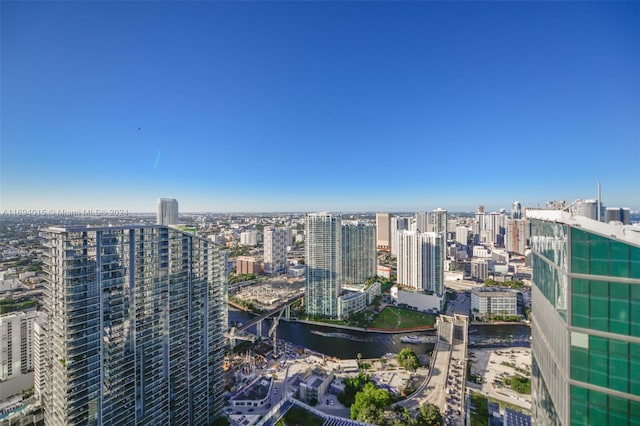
259 328
287 312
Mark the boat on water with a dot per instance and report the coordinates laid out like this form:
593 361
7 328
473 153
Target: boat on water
340 335
417 339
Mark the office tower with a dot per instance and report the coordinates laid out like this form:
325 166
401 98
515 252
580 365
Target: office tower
516 210
383 230
359 258
479 223
397 224
423 222
323 258
517 235
134 327
276 241
586 208
167 211
421 261
616 214
439 220
16 352
495 225
462 235
585 321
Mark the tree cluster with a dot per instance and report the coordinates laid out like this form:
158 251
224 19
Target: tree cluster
429 415
408 360
518 383
370 403
352 385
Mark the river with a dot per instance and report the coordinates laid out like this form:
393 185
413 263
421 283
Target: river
348 344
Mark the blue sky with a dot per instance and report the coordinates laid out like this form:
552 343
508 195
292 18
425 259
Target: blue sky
300 106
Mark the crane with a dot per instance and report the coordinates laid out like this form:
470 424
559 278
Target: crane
272 331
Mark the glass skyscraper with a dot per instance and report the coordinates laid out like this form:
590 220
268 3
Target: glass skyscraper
167 211
134 327
323 256
359 255
585 321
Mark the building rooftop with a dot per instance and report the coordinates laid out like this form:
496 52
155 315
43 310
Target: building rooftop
624 233
514 418
494 292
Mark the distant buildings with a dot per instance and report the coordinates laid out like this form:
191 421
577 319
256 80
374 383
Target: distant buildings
323 258
249 238
134 326
276 241
585 321
616 214
516 210
167 211
383 230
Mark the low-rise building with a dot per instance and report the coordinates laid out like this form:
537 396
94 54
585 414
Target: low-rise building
357 298
494 301
315 384
418 300
248 265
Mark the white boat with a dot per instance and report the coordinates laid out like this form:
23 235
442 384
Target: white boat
417 339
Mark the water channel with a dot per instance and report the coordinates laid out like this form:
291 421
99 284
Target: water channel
348 344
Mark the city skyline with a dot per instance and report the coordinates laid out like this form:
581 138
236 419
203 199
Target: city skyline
269 107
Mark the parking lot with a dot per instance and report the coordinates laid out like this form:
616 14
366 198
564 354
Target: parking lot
491 364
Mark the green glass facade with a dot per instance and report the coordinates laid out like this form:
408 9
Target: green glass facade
589 275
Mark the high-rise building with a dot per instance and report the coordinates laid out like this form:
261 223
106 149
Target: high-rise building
495 225
38 358
586 208
323 257
517 235
276 241
617 214
421 261
167 211
16 352
359 259
397 224
516 210
439 220
423 222
134 326
462 235
383 230
585 321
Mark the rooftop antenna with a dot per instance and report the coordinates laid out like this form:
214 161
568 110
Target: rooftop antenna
599 208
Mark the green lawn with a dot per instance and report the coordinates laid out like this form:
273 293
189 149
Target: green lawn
479 410
297 416
395 318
